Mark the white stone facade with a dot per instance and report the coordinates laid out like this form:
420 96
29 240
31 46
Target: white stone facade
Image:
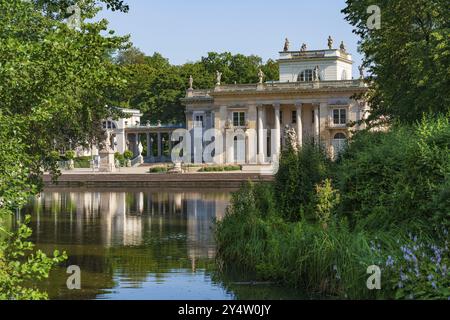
313 96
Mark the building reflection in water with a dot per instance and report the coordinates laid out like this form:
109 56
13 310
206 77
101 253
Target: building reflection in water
113 219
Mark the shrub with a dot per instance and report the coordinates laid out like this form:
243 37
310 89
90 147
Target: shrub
70 155
82 162
128 155
399 177
158 170
220 168
326 201
296 179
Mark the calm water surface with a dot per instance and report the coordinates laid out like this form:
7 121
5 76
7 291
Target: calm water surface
139 244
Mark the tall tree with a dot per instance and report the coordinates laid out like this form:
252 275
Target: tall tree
408 56
53 92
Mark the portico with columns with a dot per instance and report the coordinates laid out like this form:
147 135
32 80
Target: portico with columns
314 97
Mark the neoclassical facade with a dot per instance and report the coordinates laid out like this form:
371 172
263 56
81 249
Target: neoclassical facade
314 97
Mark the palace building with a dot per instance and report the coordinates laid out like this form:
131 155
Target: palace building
314 97
314 101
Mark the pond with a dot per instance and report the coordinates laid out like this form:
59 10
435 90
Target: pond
140 244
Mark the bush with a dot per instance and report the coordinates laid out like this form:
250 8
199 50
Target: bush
158 170
120 157
70 155
128 155
296 179
399 177
83 162
220 168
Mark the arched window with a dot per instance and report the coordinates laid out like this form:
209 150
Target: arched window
305 76
340 136
344 75
339 143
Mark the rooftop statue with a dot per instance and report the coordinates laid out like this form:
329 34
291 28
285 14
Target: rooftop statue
342 47
361 72
304 47
330 42
218 78
191 82
286 45
261 76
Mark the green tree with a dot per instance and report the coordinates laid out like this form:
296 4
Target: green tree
53 85
408 57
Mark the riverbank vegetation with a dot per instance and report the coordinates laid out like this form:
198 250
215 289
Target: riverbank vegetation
386 200
320 225
54 79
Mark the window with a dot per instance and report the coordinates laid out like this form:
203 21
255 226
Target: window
109 125
305 76
340 136
239 119
281 117
294 117
339 116
313 115
198 121
339 144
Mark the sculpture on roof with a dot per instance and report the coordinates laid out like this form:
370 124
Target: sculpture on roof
304 47
342 47
218 78
330 42
286 45
261 76
191 82
361 72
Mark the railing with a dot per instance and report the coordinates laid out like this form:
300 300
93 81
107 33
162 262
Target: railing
151 126
137 161
289 85
329 124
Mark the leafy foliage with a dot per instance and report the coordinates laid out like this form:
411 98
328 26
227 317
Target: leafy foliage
53 85
408 57
155 87
399 177
19 264
296 179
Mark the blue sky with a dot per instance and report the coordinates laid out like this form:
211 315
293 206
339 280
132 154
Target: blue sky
185 30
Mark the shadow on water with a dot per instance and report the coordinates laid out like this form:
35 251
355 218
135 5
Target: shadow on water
139 244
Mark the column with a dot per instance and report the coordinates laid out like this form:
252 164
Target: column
252 135
149 146
136 145
316 123
223 120
299 124
159 146
260 134
277 150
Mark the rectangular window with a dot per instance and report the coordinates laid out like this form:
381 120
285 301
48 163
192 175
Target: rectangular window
281 117
199 121
339 116
294 117
313 116
239 119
